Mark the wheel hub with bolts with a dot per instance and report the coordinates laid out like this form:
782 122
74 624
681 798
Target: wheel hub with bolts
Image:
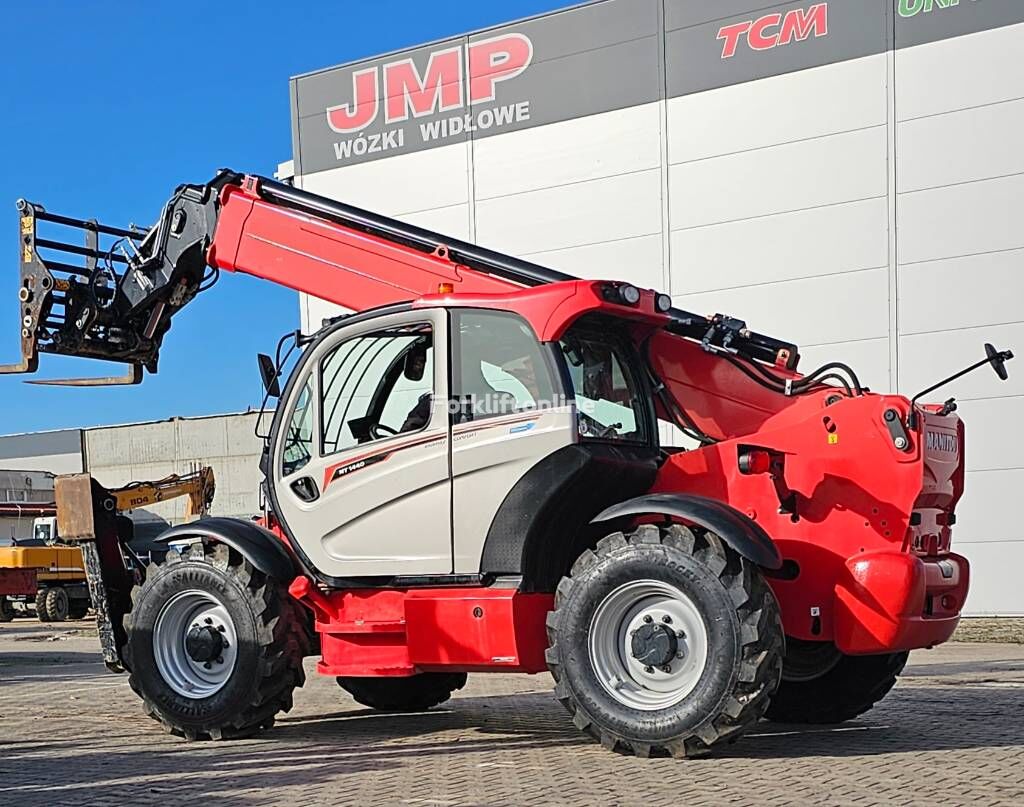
203 643
648 644
654 644
195 645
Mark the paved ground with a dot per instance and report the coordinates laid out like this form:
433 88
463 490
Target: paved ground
71 734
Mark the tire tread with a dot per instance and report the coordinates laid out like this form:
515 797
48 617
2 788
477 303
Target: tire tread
281 633
762 642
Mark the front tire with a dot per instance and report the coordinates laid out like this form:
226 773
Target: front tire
415 693
841 688
664 642
214 647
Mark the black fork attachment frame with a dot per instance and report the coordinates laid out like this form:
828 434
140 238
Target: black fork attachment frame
117 304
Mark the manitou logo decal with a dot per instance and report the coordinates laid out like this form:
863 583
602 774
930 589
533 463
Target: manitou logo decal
941 441
775 30
454 79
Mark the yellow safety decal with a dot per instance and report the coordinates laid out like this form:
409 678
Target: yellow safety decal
26 225
833 439
27 255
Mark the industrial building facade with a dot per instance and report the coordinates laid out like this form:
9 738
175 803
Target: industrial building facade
844 174
134 452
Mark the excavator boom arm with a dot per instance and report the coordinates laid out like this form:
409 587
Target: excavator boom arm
199 486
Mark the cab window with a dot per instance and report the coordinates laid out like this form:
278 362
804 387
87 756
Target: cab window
375 386
499 366
609 402
298 442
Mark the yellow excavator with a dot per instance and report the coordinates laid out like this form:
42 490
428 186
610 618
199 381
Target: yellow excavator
50 574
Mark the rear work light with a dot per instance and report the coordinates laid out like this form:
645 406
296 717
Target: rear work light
662 303
755 461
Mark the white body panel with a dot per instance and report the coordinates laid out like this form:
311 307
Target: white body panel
488 459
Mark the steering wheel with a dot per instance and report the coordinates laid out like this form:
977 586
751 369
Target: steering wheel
589 427
379 430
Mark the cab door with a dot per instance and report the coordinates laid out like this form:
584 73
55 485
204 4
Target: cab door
360 453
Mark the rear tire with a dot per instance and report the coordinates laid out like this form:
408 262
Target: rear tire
415 693
57 603
654 686
214 647
847 687
6 610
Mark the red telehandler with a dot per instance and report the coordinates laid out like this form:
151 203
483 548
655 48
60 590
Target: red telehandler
466 475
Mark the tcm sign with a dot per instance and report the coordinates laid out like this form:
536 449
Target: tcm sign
773 30
454 78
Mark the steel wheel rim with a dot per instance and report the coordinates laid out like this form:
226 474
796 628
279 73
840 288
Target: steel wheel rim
184 612
619 615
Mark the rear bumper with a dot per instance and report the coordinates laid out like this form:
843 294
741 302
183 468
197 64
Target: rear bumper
891 601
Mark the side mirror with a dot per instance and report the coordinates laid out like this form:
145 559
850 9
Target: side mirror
268 372
998 359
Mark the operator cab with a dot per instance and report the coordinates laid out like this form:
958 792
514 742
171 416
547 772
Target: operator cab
404 436
44 530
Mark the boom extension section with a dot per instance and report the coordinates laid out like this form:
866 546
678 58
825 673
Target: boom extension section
118 305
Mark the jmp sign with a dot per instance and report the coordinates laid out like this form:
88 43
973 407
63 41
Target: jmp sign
458 77
389 106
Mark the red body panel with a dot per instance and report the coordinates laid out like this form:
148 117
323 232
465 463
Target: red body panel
18 582
864 572
722 401
335 263
401 632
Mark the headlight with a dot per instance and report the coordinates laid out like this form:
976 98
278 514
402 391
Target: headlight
630 294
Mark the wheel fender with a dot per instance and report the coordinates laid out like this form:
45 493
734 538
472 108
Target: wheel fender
258 545
741 533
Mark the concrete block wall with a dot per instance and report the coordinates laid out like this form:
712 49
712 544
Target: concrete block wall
117 455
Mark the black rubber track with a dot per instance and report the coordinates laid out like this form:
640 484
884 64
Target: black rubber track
282 641
415 693
755 651
849 689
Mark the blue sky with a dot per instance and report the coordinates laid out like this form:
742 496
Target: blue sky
108 106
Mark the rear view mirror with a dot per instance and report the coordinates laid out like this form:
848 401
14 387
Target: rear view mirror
998 359
268 372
